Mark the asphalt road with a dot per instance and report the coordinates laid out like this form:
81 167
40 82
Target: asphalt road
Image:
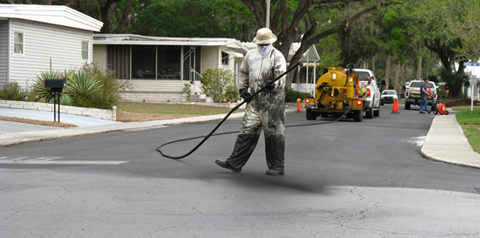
343 179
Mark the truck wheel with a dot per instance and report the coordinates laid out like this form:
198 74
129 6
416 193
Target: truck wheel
311 115
376 113
358 115
407 106
369 113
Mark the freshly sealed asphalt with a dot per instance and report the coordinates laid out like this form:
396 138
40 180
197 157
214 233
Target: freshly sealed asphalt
445 140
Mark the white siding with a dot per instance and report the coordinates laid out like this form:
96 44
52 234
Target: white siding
210 58
100 55
3 53
42 42
231 60
173 86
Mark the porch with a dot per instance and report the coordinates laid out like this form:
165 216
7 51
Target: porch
157 66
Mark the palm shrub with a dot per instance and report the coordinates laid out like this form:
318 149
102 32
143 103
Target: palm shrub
12 91
64 100
88 87
109 89
219 85
43 93
82 87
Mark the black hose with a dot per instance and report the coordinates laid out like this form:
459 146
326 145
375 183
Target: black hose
229 132
219 124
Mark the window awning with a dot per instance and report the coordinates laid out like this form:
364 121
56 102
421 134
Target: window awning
236 55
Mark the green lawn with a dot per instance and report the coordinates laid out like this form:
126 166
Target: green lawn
170 108
470 122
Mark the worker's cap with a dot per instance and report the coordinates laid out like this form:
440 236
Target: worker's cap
264 37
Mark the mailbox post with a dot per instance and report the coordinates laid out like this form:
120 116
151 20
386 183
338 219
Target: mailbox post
56 86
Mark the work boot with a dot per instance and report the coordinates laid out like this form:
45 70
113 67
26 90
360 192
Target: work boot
226 165
274 172
429 112
422 112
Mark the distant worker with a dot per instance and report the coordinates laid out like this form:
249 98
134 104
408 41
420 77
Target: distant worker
265 111
424 95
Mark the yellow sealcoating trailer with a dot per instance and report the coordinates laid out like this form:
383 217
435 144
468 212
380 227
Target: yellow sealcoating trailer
338 93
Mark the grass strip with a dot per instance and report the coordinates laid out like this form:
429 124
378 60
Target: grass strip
465 108
468 117
164 108
37 122
473 137
470 121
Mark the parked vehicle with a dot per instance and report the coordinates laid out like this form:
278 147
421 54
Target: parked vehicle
412 95
349 92
336 95
368 81
388 96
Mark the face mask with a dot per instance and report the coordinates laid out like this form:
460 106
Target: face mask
264 49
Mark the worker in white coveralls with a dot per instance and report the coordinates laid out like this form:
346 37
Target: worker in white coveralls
265 111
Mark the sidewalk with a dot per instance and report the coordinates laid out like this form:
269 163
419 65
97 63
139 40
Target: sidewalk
445 140
16 133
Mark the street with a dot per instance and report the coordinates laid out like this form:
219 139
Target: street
342 179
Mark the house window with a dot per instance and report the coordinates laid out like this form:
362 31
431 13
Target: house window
85 50
225 58
18 43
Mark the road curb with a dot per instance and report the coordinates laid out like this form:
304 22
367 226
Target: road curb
36 136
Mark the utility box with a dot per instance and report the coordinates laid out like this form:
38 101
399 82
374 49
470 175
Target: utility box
56 85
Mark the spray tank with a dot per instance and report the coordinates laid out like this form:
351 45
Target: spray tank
337 92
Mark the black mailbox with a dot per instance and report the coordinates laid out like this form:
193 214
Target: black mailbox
56 85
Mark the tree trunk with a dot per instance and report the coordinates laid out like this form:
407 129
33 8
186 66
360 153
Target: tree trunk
124 20
426 69
105 11
419 68
447 57
373 64
387 72
397 74
404 80
286 28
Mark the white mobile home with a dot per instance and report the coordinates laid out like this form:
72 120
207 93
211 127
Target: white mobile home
33 37
158 68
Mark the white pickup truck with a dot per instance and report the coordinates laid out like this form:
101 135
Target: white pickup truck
372 93
412 94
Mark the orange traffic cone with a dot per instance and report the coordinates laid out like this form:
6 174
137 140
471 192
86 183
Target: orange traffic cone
299 107
395 106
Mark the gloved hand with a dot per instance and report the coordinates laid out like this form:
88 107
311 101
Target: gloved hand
270 85
245 94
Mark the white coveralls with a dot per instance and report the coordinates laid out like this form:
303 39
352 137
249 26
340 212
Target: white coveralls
265 111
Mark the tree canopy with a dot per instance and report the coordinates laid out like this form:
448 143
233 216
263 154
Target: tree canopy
413 37
194 18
